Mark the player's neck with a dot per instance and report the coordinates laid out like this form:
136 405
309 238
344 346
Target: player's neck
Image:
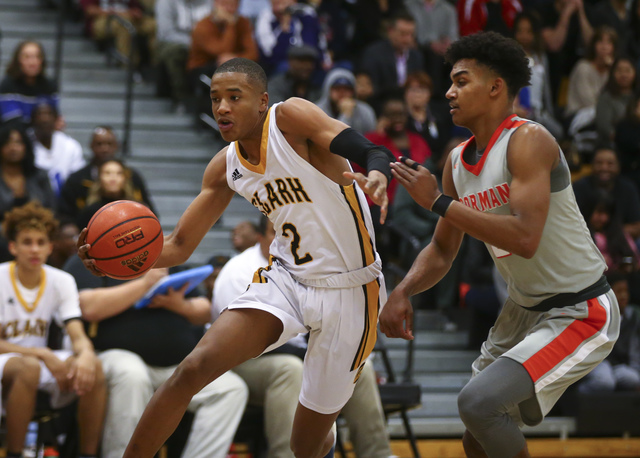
486 125
251 144
29 277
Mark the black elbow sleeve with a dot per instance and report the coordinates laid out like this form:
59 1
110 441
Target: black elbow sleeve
356 148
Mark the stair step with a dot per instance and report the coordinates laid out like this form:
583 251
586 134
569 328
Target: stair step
142 121
28 5
434 360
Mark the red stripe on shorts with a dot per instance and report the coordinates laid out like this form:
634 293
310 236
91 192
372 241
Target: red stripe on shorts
567 342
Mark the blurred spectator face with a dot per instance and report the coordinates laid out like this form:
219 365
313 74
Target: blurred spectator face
103 144
523 33
417 95
14 149
395 113
599 219
402 35
43 119
279 6
340 92
364 86
605 166
301 69
65 242
30 59
244 236
112 178
605 48
624 74
228 6
621 290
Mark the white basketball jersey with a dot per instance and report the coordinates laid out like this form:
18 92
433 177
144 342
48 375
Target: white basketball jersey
25 315
322 228
567 260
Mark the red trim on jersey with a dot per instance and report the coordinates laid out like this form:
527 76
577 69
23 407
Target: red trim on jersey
507 124
567 342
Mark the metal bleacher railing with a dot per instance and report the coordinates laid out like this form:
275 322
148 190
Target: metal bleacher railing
112 54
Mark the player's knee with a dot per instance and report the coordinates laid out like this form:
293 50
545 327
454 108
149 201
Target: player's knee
28 372
289 371
477 406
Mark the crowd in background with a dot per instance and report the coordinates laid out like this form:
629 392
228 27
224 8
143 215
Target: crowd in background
378 66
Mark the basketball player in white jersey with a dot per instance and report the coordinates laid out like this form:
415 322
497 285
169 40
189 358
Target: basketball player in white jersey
509 186
290 161
32 294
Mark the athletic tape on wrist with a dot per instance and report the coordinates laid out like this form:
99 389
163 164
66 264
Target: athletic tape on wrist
441 204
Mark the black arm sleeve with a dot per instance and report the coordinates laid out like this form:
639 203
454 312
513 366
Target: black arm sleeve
356 148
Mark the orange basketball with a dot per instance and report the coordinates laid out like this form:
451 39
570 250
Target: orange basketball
126 239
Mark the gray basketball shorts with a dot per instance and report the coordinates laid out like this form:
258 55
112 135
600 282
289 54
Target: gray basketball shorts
557 347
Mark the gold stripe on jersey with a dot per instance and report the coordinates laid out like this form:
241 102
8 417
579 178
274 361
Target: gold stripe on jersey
366 244
370 334
257 276
43 280
260 166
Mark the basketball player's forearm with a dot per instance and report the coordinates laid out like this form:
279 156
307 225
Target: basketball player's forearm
507 232
428 269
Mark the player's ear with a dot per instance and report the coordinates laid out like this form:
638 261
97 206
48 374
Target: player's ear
264 102
12 248
497 86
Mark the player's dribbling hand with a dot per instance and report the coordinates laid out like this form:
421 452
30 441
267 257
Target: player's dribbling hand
396 319
375 186
417 180
83 253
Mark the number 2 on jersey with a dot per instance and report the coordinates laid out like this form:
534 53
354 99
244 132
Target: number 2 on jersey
295 244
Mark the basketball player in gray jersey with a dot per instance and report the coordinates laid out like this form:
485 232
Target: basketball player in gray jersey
509 186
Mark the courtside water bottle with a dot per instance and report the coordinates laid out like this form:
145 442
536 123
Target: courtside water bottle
31 441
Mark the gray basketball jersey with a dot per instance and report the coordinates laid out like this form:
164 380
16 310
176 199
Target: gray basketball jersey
567 260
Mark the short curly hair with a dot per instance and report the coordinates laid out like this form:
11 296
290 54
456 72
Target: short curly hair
31 215
503 55
255 73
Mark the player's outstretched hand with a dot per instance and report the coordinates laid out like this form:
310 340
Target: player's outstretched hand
375 186
396 319
83 252
417 180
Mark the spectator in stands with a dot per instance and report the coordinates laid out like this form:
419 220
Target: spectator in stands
104 145
33 295
336 28
220 36
56 152
113 183
535 101
339 101
64 243
421 223
614 99
175 22
99 27
566 32
621 369
275 378
606 176
370 20
20 180
487 16
388 61
26 85
285 24
427 117
591 73
627 141
605 224
217 262
140 349
613 13
244 235
392 133
297 80
364 87
436 28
